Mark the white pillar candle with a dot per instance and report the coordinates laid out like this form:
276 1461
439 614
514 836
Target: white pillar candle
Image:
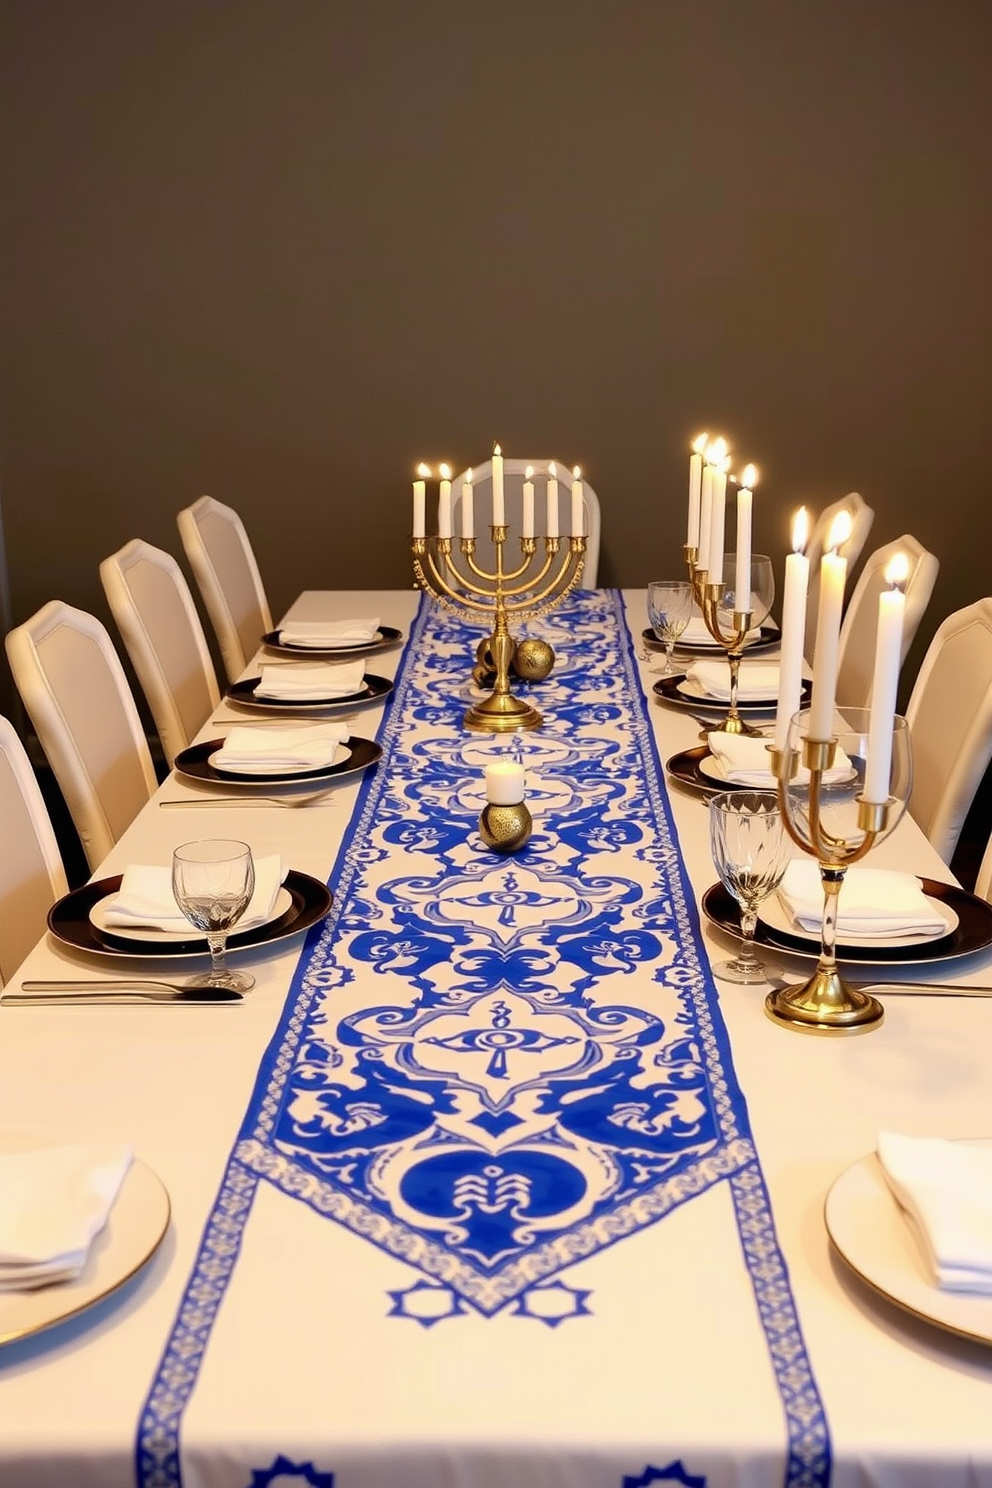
790 683
833 575
885 682
742 573
468 509
578 505
718 520
499 510
695 484
705 517
444 502
419 500
527 519
505 782
551 519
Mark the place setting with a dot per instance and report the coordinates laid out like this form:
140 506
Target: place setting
249 760
314 686
338 638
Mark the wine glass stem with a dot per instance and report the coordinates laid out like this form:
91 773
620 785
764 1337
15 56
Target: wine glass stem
831 878
749 920
217 941
669 648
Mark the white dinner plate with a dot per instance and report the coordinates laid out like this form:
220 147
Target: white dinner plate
711 767
134 1230
254 767
148 933
776 917
871 1232
690 688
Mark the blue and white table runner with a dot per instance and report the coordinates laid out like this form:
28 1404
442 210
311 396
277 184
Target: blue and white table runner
497 1141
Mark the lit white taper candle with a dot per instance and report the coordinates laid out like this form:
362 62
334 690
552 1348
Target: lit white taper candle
742 572
833 576
695 488
885 681
499 510
527 518
718 520
468 507
444 502
578 505
551 520
705 516
419 500
790 684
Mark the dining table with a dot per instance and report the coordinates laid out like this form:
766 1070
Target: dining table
487 1182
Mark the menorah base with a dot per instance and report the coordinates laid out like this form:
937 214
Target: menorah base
824 1004
502 713
738 726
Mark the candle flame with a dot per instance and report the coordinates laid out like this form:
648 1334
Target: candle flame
497 450
528 473
469 474
750 476
897 570
716 452
840 531
423 470
552 471
800 530
444 472
576 473
699 443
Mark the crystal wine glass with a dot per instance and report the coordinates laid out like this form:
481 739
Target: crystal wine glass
751 849
669 610
213 882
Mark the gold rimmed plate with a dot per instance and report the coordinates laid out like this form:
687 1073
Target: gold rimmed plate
71 922
769 638
196 763
387 636
244 693
973 931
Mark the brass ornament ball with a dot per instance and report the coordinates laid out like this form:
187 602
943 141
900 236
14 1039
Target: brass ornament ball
533 660
505 829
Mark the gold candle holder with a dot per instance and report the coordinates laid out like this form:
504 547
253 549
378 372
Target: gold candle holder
533 588
731 638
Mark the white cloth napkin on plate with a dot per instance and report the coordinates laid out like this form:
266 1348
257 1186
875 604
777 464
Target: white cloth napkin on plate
696 634
946 1189
264 751
759 680
53 1201
875 903
310 683
145 898
325 634
744 761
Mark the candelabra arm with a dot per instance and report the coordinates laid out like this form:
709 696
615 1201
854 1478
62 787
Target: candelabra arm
518 606
440 586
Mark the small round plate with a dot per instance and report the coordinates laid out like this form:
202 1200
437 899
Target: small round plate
973 931
768 640
134 1230
671 690
196 763
373 690
871 1233
387 637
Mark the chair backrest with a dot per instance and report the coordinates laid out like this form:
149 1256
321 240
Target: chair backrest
862 517
74 689
31 873
156 616
513 486
856 657
220 555
983 883
950 724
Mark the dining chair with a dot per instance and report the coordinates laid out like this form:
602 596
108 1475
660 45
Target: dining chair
862 516
513 485
31 873
983 882
154 610
223 563
75 692
950 724
856 654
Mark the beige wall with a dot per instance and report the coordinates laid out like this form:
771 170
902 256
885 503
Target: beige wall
280 250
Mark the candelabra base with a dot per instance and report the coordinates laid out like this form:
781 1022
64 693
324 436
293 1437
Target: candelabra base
824 1004
738 726
502 713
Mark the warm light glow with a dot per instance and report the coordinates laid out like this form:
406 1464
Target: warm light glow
699 443
750 476
423 470
552 471
444 472
497 450
800 530
716 453
468 477
576 473
840 531
529 473
897 570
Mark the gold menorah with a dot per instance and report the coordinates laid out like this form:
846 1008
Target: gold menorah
730 637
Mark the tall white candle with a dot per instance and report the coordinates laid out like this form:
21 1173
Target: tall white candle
705 516
551 521
790 683
499 510
718 521
527 520
833 575
419 500
695 486
505 783
885 681
578 505
742 573
444 502
468 508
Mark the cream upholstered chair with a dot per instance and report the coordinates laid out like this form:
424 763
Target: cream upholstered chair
856 658
950 724
862 517
156 616
513 486
223 564
76 695
983 883
31 873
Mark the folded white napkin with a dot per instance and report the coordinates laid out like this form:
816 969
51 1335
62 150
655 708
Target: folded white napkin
53 1201
696 634
742 760
262 751
946 1190
325 634
875 903
310 683
758 680
145 898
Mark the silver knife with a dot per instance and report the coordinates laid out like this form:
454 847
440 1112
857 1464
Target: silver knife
923 989
78 993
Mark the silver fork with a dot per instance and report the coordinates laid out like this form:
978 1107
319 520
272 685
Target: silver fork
310 798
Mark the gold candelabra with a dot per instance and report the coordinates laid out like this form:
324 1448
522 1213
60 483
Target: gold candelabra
525 592
732 638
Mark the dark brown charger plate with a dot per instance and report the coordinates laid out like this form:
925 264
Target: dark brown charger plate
770 637
685 769
667 689
194 763
69 921
973 931
372 691
388 636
